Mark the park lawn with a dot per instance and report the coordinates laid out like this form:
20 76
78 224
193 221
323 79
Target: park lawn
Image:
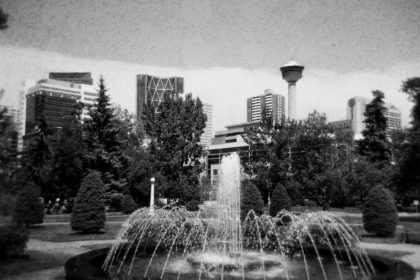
32 261
64 233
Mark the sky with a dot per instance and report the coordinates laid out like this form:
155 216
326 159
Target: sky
225 50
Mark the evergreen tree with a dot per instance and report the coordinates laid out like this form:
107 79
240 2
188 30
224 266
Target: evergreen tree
29 210
69 155
409 182
174 129
89 208
380 215
128 205
375 145
8 135
103 142
250 199
38 161
279 200
3 19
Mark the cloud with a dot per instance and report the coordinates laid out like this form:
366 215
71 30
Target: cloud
225 88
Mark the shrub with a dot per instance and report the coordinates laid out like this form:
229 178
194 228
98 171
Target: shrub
114 201
250 199
12 240
380 214
279 200
7 204
28 209
89 208
192 205
128 205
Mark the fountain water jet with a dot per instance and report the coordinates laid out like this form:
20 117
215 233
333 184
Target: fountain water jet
177 244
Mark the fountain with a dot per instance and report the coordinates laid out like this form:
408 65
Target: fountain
177 244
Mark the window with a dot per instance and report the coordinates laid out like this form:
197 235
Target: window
215 171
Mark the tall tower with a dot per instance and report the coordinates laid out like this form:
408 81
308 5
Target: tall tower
291 73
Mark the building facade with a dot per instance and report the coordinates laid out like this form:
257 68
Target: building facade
273 104
205 139
55 99
356 107
151 89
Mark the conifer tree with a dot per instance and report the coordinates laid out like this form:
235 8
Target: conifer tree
29 210
380 215
279 200
375 145
409 173
89 208
103 142
250 199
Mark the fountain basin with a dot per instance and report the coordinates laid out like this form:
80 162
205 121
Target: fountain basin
88 266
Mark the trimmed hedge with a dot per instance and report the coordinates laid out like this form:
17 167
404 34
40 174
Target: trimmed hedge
380 214
89 208
279 200
13 240
192 205
28 208
251 200
128 205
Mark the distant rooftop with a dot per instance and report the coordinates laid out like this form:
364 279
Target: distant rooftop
74 77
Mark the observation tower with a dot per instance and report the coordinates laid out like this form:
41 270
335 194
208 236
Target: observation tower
291 73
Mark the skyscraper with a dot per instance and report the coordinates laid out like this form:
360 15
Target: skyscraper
151 89
272 103
356 107
205 139
54 99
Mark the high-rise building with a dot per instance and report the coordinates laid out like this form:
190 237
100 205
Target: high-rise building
205 139
273 104
356 107
13 115
151 89
72 77
54 99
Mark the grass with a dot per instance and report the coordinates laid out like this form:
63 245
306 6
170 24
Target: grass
64 233
32 261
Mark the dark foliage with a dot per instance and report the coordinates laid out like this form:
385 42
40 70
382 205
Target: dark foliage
409 179
375 145
69 155
13 240
89 208
250 199
192 205
279 200
29 209
128 205
174 129
8 135
3 19
380 214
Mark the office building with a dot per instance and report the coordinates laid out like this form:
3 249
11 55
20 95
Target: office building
72 77
273 104
356 107
205 139
151 89
55 99
224 143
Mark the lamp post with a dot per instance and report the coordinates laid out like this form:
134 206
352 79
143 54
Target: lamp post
152 194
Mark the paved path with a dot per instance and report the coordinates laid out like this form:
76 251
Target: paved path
413 258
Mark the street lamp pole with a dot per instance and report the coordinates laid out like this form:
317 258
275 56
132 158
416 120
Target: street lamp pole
152 194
